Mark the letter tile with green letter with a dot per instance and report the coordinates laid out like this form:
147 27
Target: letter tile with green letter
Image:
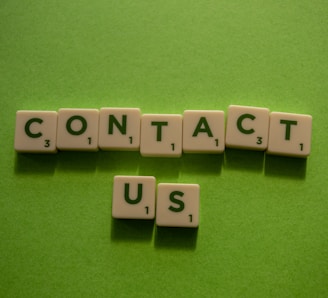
78 129
119 129
177 205
247 127
134 197
36 131
290 134
203 131
161 135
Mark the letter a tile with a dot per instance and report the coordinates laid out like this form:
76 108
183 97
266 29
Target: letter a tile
203 131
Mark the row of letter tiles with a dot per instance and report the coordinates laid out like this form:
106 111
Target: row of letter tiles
164 135
177 205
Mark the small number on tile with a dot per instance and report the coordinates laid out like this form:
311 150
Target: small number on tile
217 142
89 141
172 146
259 140
46 143
131 140
301 146
147 209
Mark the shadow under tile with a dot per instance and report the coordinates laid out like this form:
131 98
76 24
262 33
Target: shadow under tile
282 166
77 161
249 160
30 163
125 162
202 164
131 229
175 238
160 167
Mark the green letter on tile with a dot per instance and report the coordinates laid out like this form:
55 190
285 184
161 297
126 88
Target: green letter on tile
159 129
202 126
176 201
27 128
241 119
127 195
120 127
288 124
76 132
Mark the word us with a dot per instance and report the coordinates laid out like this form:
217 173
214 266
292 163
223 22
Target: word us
164 135
176 204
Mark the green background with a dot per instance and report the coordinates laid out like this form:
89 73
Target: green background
263 230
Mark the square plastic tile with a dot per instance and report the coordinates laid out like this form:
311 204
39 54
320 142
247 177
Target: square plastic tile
203 131
247 127
177 205
119 129
161 135
36 131
78 129
134 197
290 134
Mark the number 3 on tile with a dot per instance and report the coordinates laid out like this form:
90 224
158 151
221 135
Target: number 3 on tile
46 143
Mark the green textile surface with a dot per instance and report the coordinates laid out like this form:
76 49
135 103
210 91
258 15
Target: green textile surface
263 219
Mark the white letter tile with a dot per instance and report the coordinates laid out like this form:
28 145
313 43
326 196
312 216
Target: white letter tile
203 131
36 131
247 127
134 197
78 129
161 135
177 205
119 129
290 134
